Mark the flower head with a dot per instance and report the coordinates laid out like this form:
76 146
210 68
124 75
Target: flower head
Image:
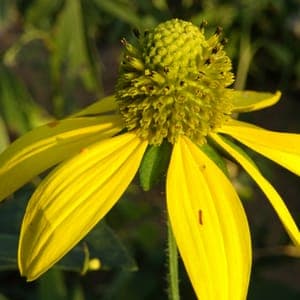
174 82
174 85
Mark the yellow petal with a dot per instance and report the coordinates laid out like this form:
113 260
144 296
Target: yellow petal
282 148
47 145
266 187
244 101
107 105
73 198
209 225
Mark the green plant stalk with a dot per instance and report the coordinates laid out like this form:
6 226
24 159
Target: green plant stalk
246 54
173 281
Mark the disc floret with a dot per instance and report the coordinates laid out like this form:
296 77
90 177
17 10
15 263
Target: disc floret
173 82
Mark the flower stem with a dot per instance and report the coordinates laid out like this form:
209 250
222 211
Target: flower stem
173 266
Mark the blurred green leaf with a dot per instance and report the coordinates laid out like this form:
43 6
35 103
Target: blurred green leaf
17 108
122 10
154 165
279 52
2 297
8 252
4 139
77 293
40 12
104 244
7 8
72 54
51 286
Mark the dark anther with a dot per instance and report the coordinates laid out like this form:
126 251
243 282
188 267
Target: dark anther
215 50
150 88
166 70
167 87
219 30
136 32
203 24
123 42
224 41
181 83
129 58
207 62
222 73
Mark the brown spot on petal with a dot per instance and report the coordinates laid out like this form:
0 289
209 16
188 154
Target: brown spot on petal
200 217
83 150
53 124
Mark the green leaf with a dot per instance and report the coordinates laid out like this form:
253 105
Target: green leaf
41 12
2 297
72 48
4 139
52 286
104 244
154 165
18 110
8 252
121 10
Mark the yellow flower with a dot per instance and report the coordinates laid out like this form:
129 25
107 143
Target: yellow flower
174 86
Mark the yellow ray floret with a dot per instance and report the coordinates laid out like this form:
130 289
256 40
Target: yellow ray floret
48 145
73 198
244 101
105 106
282 148
209 224
266 187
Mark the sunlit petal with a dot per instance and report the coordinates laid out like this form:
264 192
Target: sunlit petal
104 106
209 225
73 198
244 101
282 148
267 188
47 145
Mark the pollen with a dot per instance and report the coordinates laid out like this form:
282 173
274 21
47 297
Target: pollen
174 81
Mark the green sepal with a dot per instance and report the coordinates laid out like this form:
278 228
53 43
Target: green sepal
154 165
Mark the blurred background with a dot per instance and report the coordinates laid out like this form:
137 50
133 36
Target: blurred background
57 56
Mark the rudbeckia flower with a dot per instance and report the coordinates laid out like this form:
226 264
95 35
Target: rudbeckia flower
174 86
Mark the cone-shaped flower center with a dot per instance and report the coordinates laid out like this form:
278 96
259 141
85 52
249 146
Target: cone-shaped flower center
174 81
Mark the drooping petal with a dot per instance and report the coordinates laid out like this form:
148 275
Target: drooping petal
266 187
244 101
209 225
73 198
107 105
47 145
282 148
